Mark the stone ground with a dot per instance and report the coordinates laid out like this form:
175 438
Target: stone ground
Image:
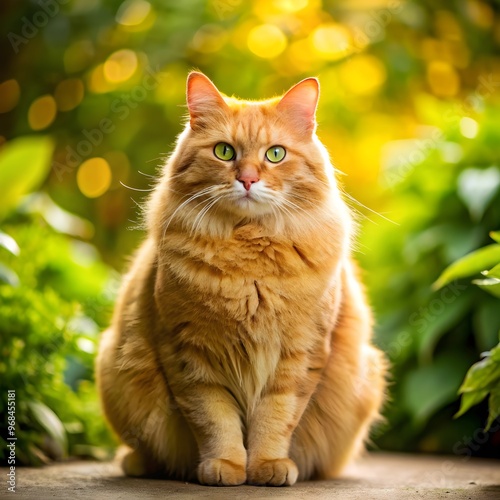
377 476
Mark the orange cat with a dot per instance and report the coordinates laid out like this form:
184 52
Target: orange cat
240 347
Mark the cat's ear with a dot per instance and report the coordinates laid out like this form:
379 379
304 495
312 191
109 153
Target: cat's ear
203 98
300 103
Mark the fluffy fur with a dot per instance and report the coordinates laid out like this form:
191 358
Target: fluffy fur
240 346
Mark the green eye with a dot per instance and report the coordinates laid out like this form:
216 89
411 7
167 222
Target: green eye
224 151
275 154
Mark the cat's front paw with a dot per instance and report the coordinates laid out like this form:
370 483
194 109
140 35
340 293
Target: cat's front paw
279 472
221 472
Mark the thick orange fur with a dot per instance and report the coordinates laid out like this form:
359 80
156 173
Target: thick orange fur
240 347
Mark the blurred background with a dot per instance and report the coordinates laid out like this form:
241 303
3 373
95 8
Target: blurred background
92 96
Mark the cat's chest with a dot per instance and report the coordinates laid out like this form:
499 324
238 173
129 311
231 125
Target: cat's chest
258 257
252 282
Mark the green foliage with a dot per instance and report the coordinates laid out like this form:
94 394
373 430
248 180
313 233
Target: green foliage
52 306
28 156
472 263
483 378
49 326
431 320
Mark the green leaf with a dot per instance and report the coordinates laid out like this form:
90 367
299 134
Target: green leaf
494 406
433 325
470 399
495 354
481 375
8 276
490 285
9 243
24 164
471 264
433 386
493 273
495 235
50 422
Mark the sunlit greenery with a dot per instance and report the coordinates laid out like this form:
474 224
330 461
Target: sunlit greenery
91 100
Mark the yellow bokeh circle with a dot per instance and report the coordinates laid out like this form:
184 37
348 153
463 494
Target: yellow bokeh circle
9 95
332 41
94 177
69 94
133 12
443 79
120 65
42 112
363 74
266 41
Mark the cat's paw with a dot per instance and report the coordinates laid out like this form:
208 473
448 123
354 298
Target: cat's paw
221 472
279 472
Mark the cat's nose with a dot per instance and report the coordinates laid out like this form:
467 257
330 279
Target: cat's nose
247 177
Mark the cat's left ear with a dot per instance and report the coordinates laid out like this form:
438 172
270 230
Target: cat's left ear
300 104
203 98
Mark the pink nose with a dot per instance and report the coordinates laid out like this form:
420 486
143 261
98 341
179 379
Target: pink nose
248 177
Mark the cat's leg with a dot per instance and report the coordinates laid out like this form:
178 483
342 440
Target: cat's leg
140 410
216 422
274 420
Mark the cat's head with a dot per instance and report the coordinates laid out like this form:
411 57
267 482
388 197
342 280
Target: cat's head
257 161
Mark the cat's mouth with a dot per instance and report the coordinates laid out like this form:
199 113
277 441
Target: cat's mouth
251 201
248 202
246 199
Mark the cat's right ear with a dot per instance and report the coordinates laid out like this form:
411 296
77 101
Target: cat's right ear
299 104
203 98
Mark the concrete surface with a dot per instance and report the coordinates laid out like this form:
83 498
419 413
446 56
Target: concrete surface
377 476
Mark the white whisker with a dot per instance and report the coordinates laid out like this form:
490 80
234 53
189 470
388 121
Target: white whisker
183 204
202 214
136 189
146 175
369 209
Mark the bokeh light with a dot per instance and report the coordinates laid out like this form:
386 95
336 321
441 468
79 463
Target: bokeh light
69 94
209 39
9 95
97 81
94 177
469 127
133 12
480 13
290 5
267 41
332 41
78 56
120 66
363 74
42 112
443 79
